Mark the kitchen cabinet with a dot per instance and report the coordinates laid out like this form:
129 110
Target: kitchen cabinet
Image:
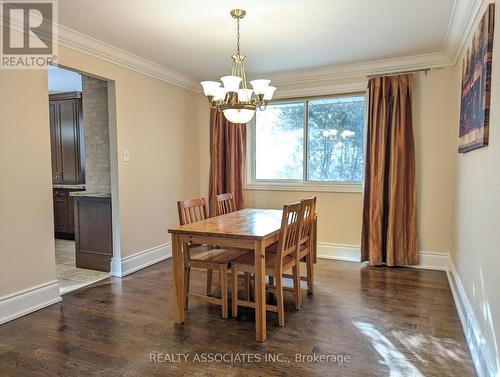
93 231
67 138
64 223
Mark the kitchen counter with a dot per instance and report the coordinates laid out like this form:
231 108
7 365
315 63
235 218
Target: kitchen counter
68 187
90 194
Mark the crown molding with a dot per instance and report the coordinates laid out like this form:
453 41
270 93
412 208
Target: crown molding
77 41
357 87
462 20
408 63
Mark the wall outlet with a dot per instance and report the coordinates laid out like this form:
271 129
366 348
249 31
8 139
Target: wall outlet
126 156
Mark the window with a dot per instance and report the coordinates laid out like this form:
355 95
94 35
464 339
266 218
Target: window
309 142
279 142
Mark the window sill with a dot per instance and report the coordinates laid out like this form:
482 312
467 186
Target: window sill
310 187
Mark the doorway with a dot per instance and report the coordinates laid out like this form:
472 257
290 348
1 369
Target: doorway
82 177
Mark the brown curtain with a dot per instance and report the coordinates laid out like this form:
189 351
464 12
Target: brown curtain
227 159
389 233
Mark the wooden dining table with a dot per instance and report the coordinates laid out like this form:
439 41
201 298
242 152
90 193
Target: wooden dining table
250 228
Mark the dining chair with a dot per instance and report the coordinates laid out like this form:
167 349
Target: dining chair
225 203
190 211
284 259
306 239
210 259
307 248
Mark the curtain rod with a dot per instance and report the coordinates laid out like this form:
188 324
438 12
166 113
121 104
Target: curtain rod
398 73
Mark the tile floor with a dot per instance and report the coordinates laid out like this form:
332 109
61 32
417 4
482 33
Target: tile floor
69 277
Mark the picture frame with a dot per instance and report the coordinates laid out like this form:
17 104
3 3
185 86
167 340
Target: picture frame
476 86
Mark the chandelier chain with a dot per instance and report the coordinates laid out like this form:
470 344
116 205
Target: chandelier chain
238 32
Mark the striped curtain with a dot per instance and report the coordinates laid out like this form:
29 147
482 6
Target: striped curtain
389 234
227 159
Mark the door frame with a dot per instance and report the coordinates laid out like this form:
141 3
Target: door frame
115 264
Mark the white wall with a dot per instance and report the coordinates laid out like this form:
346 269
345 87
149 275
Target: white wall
477 224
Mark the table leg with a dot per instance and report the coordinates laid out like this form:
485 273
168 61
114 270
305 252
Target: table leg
260 291
178 266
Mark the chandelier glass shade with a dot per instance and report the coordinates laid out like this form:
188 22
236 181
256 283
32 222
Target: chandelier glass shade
236 101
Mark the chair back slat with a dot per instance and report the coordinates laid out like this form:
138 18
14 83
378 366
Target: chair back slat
289 234
192 210
225 203
309 212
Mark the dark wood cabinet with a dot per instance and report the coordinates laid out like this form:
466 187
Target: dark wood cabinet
61 212
64 218
93 232
67 139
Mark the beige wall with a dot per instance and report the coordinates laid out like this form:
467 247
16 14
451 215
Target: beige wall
477 228
435 119
340 213
155 122
204 145
26 218
157 125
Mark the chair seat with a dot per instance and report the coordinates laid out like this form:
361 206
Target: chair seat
217 256
246 262
196 248
304 251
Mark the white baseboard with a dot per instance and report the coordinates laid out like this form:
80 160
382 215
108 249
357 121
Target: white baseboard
429 260
432 260
483 362
28 300
140 260
339 252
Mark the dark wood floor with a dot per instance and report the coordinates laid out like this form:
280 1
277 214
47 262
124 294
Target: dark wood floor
391 322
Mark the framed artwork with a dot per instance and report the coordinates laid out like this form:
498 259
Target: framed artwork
476 86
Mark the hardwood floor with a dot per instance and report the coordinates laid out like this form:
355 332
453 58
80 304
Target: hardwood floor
397 322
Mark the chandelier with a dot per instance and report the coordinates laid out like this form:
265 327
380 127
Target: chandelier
234 99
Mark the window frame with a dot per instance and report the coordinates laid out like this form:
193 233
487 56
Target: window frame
304 184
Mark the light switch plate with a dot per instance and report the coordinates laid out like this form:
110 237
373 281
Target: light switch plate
126 156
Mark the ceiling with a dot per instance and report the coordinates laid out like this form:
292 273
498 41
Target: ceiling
196 38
